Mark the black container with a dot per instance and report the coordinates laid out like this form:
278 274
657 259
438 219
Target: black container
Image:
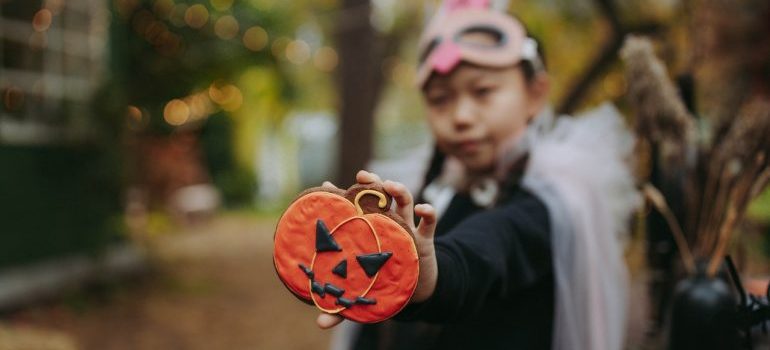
703 315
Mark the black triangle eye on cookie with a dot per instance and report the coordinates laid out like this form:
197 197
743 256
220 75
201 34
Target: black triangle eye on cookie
372 263
323 239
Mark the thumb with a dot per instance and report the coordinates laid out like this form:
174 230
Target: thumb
326 321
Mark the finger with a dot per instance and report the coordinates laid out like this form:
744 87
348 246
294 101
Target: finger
403 198
428 219
329 185
364 177
326 321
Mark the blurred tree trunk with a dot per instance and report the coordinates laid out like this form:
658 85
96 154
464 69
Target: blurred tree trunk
358 83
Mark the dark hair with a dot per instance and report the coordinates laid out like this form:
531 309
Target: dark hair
529 71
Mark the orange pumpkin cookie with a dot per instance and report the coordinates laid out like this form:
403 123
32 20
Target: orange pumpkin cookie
347 253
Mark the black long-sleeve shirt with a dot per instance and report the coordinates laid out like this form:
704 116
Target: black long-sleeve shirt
494 287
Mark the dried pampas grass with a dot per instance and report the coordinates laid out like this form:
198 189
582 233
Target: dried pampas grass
661 117
735 170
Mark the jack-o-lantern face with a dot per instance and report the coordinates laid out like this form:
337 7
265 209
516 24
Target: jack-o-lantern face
332 251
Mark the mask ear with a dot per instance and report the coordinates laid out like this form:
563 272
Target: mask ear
499 5
428 10
453 5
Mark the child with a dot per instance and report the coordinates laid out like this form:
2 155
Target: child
527 252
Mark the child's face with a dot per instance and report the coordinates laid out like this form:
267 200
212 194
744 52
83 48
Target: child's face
474 110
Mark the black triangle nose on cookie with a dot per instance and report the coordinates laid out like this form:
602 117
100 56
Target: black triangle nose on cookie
341 269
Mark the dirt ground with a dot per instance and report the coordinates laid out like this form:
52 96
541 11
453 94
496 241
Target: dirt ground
213 287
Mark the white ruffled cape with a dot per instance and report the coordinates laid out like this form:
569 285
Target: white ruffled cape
580 169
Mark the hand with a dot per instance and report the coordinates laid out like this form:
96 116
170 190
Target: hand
423 236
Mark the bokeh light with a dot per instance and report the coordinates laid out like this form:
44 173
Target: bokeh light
125 8
136 119
255 38
325 59
177 15
42 20
200 105
165 41
163 8
227 96
134 113
226 27
221 5
298 52
196 16
176 112
155 32
279 46
13 98
141 21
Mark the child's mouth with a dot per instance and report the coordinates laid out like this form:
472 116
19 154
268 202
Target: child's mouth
470 146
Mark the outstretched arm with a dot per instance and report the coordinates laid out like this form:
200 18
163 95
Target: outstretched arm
424 232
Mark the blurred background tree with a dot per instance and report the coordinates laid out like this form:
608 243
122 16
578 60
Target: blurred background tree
182 69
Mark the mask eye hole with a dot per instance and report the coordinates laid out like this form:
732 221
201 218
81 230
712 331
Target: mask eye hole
428 49
481 36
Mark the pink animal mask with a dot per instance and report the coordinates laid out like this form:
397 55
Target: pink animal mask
469 31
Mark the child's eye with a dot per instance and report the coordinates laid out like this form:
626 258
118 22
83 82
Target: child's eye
483 91
438 100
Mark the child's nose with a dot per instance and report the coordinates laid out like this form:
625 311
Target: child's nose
465 112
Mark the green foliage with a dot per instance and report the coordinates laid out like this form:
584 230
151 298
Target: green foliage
238 187
236 183
159 57
216 143
56 201
759 209
765 243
